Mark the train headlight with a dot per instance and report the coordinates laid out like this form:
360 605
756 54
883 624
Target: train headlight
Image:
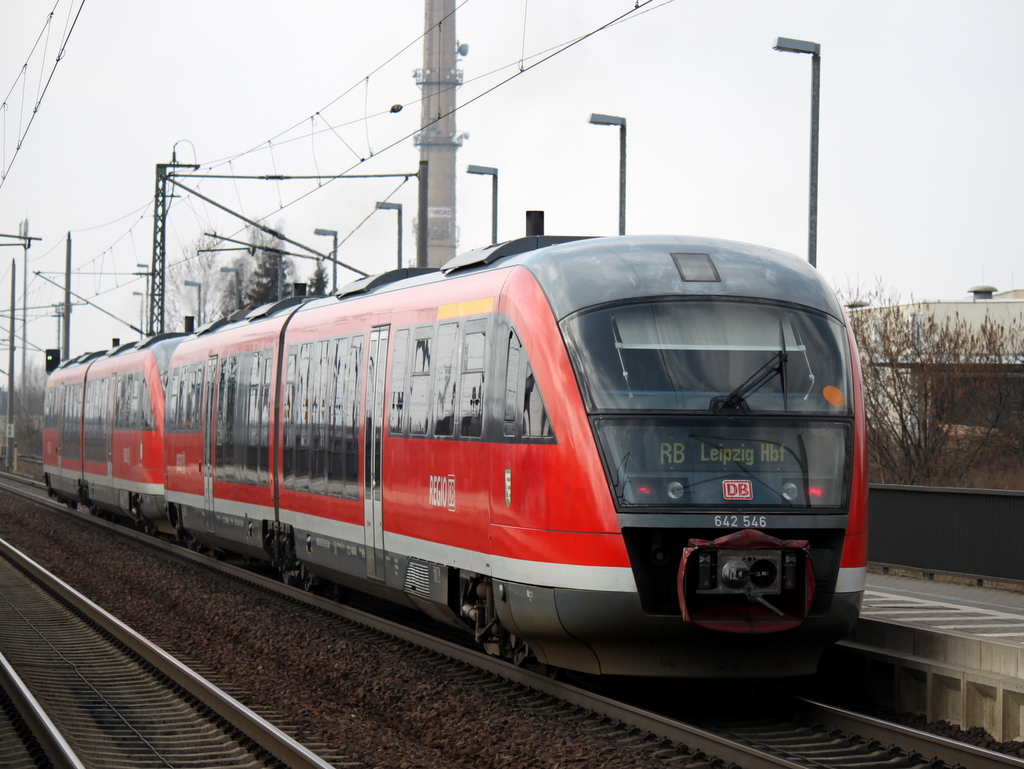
790 491
676 490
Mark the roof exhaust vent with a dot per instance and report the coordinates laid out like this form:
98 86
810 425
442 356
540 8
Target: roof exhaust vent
982 292
190 324
534 223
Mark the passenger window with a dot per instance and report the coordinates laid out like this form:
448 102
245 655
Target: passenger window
419 389
445 374
511 386
398 368
535 417
471 394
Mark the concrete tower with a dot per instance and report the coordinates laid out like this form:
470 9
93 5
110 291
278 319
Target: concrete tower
437 140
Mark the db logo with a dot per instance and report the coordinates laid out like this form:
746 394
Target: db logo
737 489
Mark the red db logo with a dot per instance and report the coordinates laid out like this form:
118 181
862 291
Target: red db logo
737 489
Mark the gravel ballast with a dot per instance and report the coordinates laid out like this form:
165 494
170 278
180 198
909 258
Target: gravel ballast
376 705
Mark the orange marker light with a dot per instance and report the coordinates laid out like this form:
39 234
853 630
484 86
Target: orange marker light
834 396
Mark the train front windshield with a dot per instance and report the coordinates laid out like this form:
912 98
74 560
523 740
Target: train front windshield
699 403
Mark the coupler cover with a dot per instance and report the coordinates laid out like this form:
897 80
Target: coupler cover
746 582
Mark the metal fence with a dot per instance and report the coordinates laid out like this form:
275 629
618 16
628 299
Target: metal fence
964 531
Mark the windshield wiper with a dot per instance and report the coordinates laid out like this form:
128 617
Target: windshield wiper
775 365
618 349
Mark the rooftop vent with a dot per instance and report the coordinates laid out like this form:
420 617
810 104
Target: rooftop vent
982 292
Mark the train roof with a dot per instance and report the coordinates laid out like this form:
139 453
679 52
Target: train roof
581 272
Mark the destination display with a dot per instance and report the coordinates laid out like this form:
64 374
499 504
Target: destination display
735 462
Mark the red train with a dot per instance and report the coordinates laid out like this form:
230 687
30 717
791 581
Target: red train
633 455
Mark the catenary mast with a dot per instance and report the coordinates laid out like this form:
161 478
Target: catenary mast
437 140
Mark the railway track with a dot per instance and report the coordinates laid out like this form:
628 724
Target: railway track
800 733
94 693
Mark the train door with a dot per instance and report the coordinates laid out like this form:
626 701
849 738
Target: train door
59 440
209 437
109 405
373 497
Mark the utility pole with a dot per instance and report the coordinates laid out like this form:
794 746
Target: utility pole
67 301
158 276
437 139
25 242
10 370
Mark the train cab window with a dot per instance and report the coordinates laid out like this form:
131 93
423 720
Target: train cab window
445 377
710 357
399 365
471 393
419 386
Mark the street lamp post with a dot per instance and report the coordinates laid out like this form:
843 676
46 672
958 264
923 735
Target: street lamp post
395 207
142 308
334 255
493 173
596 119
805 46
238 285
145 273
199 299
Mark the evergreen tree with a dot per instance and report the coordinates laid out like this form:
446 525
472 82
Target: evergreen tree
272 269
317 285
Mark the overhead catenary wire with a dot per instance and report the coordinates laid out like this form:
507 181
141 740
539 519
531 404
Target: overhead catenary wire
638 9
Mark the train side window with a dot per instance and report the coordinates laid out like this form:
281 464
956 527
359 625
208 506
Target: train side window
72 422
445 376
249 392
336 423
419 387
171 406
471 393
288 455
196 417
353 390
318 444
399 365
135 404
515 352
148 421
263 469
301 417
536 423
227 388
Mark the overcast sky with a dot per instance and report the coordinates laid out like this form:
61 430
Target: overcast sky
921 162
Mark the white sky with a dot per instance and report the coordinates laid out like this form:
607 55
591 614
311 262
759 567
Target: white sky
921 179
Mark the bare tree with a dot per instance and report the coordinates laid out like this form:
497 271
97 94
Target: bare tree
28 410
199 265
943 399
